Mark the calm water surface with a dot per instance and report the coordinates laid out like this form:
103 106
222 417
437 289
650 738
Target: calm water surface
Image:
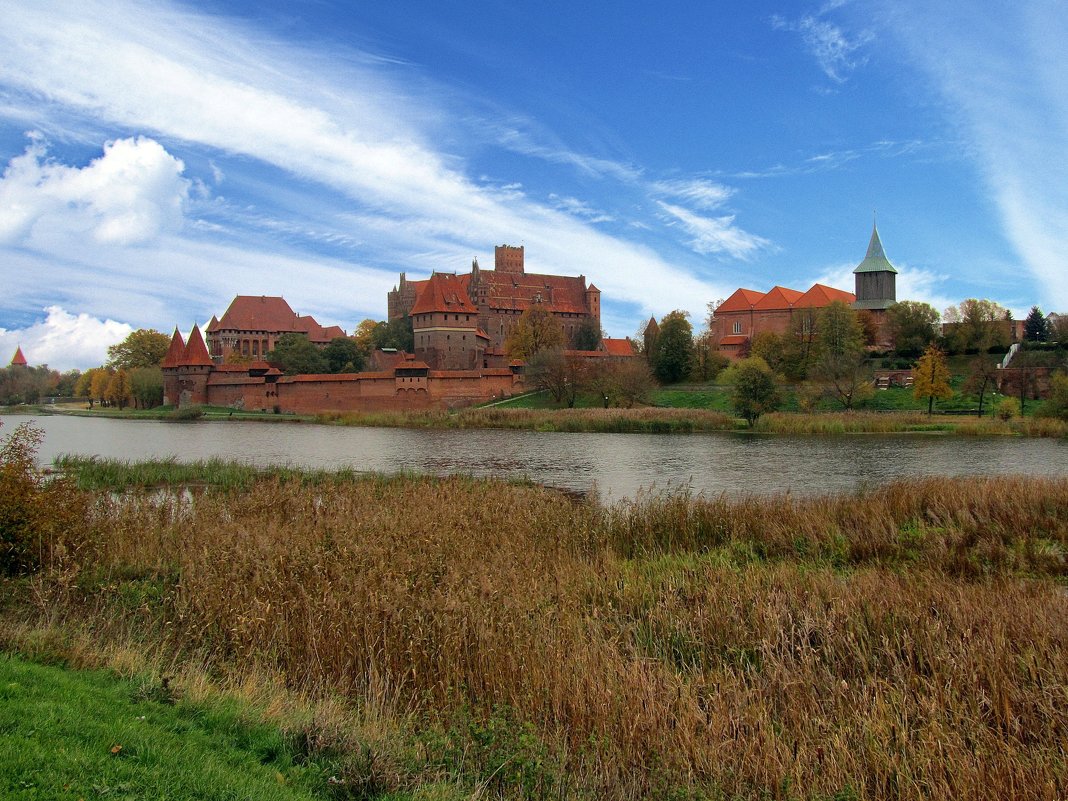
614 465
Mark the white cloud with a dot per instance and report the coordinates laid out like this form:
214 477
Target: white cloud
834 51
698 192
65 341
579 208
912 283
714 234
127 196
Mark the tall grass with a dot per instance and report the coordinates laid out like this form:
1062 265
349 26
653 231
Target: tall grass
903 642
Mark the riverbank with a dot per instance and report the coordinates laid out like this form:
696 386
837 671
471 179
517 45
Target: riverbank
460 636
644 420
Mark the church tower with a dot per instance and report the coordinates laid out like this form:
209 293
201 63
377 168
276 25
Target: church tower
875 278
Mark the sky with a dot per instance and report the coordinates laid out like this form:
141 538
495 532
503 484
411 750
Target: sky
159 158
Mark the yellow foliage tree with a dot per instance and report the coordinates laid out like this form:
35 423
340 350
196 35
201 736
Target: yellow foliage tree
930 377
535 331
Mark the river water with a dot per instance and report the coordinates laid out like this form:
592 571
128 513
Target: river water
615 466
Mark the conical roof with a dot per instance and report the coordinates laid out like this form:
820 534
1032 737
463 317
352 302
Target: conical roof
875 261
175 351
196 352
18 360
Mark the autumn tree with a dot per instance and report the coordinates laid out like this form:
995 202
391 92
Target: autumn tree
146 387
98 384
911 326
754 391
629 382
930 377
978 325
673 348
144 347
563 376
1036 329
706 361
117 391
536 330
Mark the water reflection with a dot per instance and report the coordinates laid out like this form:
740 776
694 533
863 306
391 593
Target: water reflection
614 465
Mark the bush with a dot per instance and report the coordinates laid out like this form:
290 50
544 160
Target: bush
1008 408
187 413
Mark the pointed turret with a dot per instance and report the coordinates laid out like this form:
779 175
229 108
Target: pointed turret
18 360
175 351
875 277
196 352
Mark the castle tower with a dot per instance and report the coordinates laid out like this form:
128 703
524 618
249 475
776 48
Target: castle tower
18 360
875 278
508 259
186 369
445 326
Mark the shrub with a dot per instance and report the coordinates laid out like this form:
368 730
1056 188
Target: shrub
1008 408
184 413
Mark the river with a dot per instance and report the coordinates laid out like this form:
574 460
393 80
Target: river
614 466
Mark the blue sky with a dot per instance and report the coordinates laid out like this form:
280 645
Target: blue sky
159 158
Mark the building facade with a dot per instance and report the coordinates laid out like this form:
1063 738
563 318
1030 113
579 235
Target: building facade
252 324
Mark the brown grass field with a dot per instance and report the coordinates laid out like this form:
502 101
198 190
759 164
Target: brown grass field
498 640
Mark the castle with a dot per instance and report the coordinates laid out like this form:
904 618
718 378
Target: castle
462 321
252 324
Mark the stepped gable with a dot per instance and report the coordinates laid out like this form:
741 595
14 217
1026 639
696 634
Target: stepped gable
196 352
778 298
821 295
18 360
175 352
443 292
740 300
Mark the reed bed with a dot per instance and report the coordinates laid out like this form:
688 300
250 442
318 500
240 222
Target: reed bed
899 643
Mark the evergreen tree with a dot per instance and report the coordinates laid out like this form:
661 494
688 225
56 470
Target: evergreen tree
1036 329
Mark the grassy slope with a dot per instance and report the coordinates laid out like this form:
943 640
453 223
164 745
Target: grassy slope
88 734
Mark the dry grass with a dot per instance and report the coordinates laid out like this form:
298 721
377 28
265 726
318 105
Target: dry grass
904 643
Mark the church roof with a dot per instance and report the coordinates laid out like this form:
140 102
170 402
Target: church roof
18 360
875 261
519 291
740 300
196 352
175 351
618 347
444 292
820 295
777 298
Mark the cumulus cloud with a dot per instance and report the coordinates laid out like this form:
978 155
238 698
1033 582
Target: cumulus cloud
65 341
127 196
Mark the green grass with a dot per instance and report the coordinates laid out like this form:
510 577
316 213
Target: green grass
68 734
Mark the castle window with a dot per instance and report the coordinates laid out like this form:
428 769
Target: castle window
737 327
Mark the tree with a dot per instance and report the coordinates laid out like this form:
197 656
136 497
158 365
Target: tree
931 377
536 330
343 355
981 374
395 334
98 386
841 365
146 387
630 382
911 327
1057 403
1036 329
294 354
672 348
588 335
561 375
117 391
754 390
144 347
979 325
706 362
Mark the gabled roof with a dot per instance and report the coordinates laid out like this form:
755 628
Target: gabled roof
519 291
273 314
212 324
444 292
740 300
875 261
820 295
175 351
777 298
618 347
18 360
196 352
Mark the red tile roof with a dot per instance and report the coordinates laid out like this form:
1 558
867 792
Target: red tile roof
741 300
820 295
196 352
272 314
619 347
778 298
558 293
443 292
18 360
175 351
733 339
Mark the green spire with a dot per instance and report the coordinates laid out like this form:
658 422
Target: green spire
875 261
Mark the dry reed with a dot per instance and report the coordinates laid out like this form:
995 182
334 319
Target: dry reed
905 642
